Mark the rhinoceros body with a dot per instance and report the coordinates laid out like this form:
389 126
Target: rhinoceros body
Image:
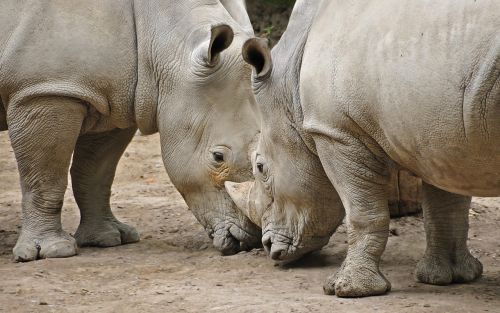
423 84
369 84
79 77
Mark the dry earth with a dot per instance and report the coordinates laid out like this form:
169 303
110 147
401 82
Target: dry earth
175 269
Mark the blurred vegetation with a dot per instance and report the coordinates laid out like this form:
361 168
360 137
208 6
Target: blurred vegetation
270 17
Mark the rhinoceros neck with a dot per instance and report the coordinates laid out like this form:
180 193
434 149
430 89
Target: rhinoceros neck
288 54
160 34
167 32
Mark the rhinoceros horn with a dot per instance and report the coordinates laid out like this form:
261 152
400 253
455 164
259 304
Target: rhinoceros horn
240 193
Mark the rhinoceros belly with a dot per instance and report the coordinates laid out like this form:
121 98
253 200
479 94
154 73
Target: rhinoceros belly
456 146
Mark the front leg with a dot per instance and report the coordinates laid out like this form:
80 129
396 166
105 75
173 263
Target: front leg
361 179
447 258
43 133
93 171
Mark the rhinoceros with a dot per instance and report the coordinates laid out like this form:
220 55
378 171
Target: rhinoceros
357 86
79 77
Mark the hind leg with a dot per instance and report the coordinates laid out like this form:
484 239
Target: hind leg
93 171
43 134
447 258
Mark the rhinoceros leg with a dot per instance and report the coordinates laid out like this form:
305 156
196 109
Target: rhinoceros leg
43 134
447 258
361 179
93 171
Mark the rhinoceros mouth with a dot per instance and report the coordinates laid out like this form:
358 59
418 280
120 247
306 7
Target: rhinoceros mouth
279 247
225 242
230 239
284 249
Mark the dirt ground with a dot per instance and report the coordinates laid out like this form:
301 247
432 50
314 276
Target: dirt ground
175 269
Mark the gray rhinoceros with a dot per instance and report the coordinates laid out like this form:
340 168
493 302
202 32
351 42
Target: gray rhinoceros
79 77
356 86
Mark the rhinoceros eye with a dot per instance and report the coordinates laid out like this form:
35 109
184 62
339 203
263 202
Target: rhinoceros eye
260 167
218 156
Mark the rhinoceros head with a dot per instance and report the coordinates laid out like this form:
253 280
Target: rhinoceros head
291 197
204 110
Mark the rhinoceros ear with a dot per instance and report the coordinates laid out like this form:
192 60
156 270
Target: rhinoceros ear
256 52
220 39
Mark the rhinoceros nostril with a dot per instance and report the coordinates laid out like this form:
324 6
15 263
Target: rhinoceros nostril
267 243
277 252
275 255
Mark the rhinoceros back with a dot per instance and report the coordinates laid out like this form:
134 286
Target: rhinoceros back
80 49
419 77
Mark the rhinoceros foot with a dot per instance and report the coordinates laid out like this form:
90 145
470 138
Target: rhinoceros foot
441 270
32 246
105 233
354 280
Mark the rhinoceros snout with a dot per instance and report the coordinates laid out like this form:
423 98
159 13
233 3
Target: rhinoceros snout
224 241
278 251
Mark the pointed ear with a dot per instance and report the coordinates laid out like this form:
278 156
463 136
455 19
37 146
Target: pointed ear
220 39
240 194
256 52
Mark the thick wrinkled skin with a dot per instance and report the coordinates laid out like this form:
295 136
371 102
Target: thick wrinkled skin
78 78
411 82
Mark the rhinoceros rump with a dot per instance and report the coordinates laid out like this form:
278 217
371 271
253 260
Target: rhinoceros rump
78 77
357 86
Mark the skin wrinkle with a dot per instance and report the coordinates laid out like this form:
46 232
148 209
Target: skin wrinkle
484 107
464 89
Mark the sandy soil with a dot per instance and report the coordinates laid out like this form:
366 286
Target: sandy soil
175 269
